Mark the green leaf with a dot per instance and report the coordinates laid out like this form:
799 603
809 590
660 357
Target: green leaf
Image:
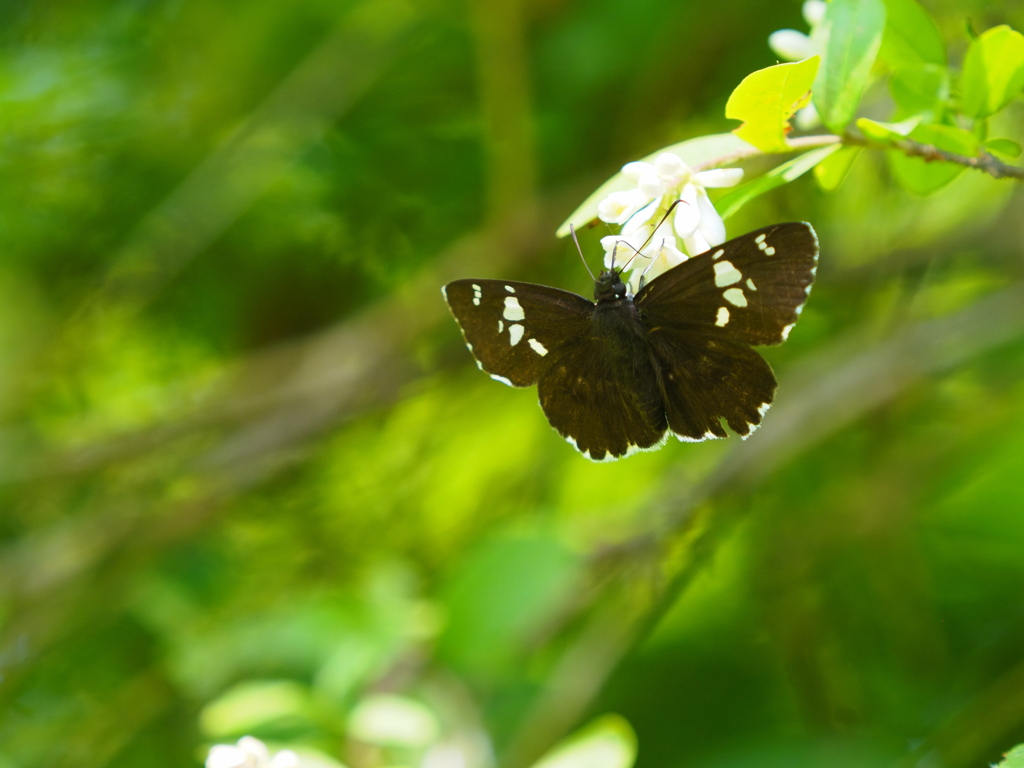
388 719
879 131
850 36
698 151
1006 147
1014 758
911 36
993 72
255 706
766 99
608 742
728 204
923 177
920 90
531 573
831 171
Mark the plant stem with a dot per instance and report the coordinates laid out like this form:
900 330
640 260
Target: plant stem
984 161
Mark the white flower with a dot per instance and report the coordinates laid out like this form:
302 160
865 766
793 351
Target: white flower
659 252
619 207
659 185
790 45
814 12
250 752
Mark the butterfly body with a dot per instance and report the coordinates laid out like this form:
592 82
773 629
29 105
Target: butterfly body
617 375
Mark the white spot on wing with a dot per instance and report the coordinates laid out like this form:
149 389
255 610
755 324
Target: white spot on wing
723 317
502 379
515 333
736 297
750 284
760 239
476 288
726 274
786 330
537 347
769 251
718 253
501 326
476 301
510 289
513 311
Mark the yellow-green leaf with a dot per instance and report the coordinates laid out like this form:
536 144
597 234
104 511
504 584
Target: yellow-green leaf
911 36
993 71
1014 758
254 705
765 101
831 171
919 90
789 171
849 36
608 742
1007 147
874 129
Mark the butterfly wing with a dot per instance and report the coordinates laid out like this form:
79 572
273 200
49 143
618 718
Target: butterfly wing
750 289
703 315
597 392
603 397
516 330
707 379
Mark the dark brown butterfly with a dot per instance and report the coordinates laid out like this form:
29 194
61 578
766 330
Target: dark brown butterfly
617 376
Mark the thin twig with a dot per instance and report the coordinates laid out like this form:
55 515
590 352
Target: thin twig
984 161
798 144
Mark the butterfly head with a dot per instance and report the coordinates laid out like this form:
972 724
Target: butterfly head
609 286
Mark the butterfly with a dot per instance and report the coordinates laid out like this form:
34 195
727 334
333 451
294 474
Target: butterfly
619 374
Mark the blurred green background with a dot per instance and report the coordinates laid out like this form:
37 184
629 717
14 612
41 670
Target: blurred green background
250 476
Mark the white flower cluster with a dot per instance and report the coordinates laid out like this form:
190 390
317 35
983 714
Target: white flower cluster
250 752
694 221
791 45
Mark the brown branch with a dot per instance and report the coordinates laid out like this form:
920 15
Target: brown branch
798 144
984 161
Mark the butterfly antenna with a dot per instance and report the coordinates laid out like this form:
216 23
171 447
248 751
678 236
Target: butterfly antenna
585 265
626 265
663 218
637 250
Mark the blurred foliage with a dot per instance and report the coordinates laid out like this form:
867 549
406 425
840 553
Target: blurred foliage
252 482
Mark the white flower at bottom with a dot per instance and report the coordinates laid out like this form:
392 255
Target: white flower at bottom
285 759
249 752
227 756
